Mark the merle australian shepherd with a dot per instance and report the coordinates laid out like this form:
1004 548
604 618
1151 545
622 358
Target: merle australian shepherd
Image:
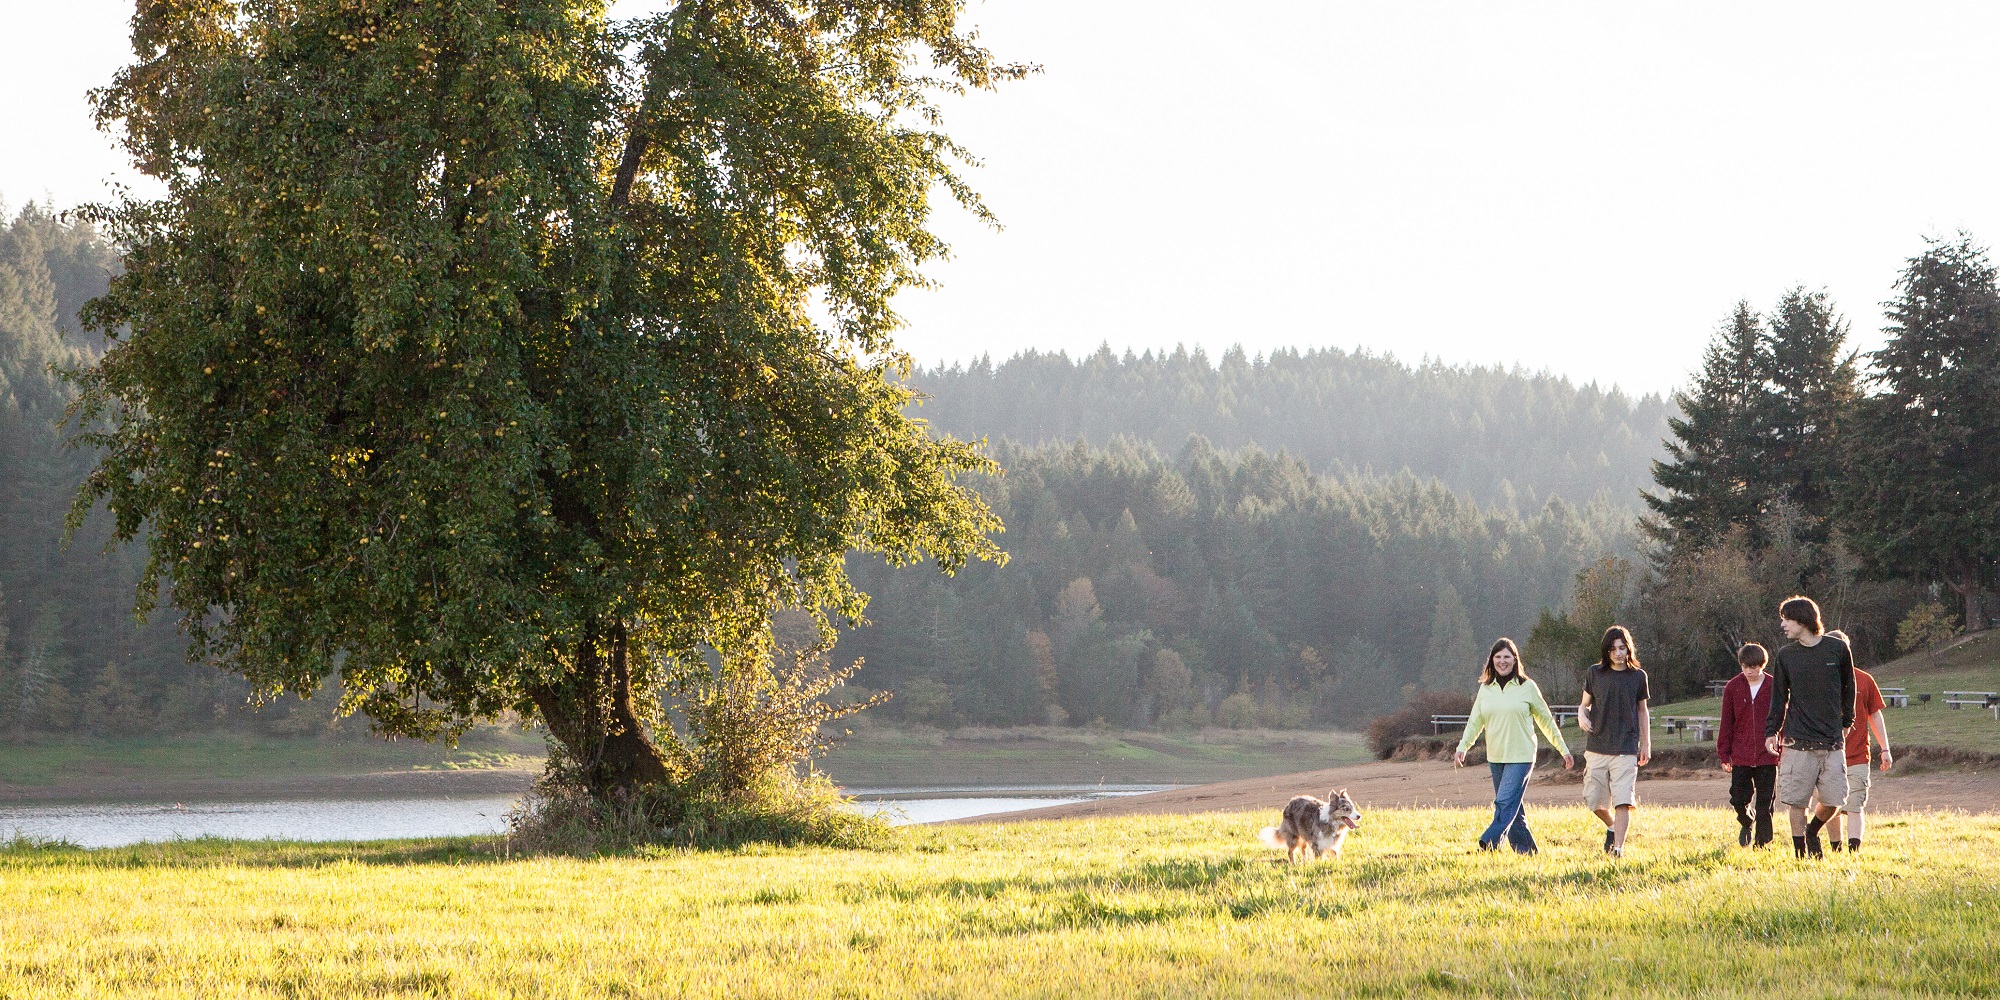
1314 825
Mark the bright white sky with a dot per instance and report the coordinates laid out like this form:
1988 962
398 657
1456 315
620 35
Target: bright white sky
1581 187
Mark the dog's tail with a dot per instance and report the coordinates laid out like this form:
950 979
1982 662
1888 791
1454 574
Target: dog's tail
1269 835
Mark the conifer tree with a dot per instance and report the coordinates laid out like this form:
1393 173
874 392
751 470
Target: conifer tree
1814 386
1711 479
1923 491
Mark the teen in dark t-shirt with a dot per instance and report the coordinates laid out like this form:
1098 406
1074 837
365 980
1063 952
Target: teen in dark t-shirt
1613 712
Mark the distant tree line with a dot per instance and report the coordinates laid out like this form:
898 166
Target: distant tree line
1234 588
1497 435
73 659
1796 464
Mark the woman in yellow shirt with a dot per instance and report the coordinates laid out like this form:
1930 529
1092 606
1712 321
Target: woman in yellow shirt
1508 709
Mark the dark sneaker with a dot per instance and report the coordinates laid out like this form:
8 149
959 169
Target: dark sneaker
1610 837
1813 848
1853 844
1743 837
1617 852
1835 845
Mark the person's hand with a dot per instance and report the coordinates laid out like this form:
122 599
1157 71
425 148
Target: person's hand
1645 754
1584 724
1772 746
1570 762
1727 767
1458 759
1888 759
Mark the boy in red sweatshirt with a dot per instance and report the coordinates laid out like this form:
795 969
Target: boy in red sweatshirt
1753 770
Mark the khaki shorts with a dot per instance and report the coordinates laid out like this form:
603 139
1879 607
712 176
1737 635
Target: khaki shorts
1610 780
1800 772
1858 780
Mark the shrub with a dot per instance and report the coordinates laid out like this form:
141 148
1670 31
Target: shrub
1413 719
560 817
1238 711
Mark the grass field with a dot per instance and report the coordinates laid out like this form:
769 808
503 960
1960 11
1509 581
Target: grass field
1139 907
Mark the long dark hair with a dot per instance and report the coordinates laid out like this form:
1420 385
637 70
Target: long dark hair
1488 675
1631 648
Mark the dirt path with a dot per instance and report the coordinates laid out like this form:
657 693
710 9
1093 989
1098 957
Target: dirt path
1393 785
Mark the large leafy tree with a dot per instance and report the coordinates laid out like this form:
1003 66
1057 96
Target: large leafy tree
1923 494
488 355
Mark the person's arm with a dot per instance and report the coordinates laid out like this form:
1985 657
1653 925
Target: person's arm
1474 723
1583 712
1727 729
1781 693
1880 727
1645 731
1846 689
1539 708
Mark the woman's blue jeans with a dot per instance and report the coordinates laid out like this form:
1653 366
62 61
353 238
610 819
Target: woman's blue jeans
1510 781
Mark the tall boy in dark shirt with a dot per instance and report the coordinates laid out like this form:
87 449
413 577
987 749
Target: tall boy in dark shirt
1812 706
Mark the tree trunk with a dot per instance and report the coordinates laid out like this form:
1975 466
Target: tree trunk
1964 578
589 712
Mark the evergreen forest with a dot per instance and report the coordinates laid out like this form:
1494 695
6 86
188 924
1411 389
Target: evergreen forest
1305 538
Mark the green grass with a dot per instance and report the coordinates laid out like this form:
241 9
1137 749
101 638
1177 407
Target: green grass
56 763
880 755
1137 907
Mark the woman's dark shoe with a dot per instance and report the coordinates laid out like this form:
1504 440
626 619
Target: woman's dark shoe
1743 838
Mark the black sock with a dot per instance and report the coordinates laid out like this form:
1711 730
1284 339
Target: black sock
1799 846
1853 843
1813 828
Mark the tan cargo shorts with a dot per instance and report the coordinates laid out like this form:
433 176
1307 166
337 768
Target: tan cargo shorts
1802 771
1858 780
1610 780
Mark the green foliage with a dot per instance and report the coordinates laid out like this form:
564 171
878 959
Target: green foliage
1500 436
1386 732
471 363
779 807
1316 596
1763 426
1926 627
1454 653
1924 499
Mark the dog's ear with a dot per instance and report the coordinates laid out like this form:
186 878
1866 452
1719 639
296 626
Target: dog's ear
1341 792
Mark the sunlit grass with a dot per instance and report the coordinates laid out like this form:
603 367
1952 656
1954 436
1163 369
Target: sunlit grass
1140 906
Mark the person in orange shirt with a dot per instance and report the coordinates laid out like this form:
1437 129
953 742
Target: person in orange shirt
1868 705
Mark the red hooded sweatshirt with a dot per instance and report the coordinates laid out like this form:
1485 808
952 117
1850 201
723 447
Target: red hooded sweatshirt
1741 738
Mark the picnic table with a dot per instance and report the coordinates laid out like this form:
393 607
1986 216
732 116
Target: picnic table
1896 697
1715 687
1704 727
1562 712
1989 700
1442 723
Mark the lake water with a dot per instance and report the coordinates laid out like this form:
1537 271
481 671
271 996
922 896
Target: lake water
118 824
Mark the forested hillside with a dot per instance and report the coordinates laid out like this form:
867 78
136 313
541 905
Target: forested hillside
72 658
1494 434
1237 588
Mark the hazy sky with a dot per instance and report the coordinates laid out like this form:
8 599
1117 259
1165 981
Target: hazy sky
1581 187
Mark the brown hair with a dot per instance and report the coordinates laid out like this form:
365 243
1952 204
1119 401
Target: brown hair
1631 648
1488 675
1801 609
1752 655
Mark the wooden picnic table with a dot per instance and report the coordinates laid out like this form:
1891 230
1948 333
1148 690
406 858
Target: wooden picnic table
1960 699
